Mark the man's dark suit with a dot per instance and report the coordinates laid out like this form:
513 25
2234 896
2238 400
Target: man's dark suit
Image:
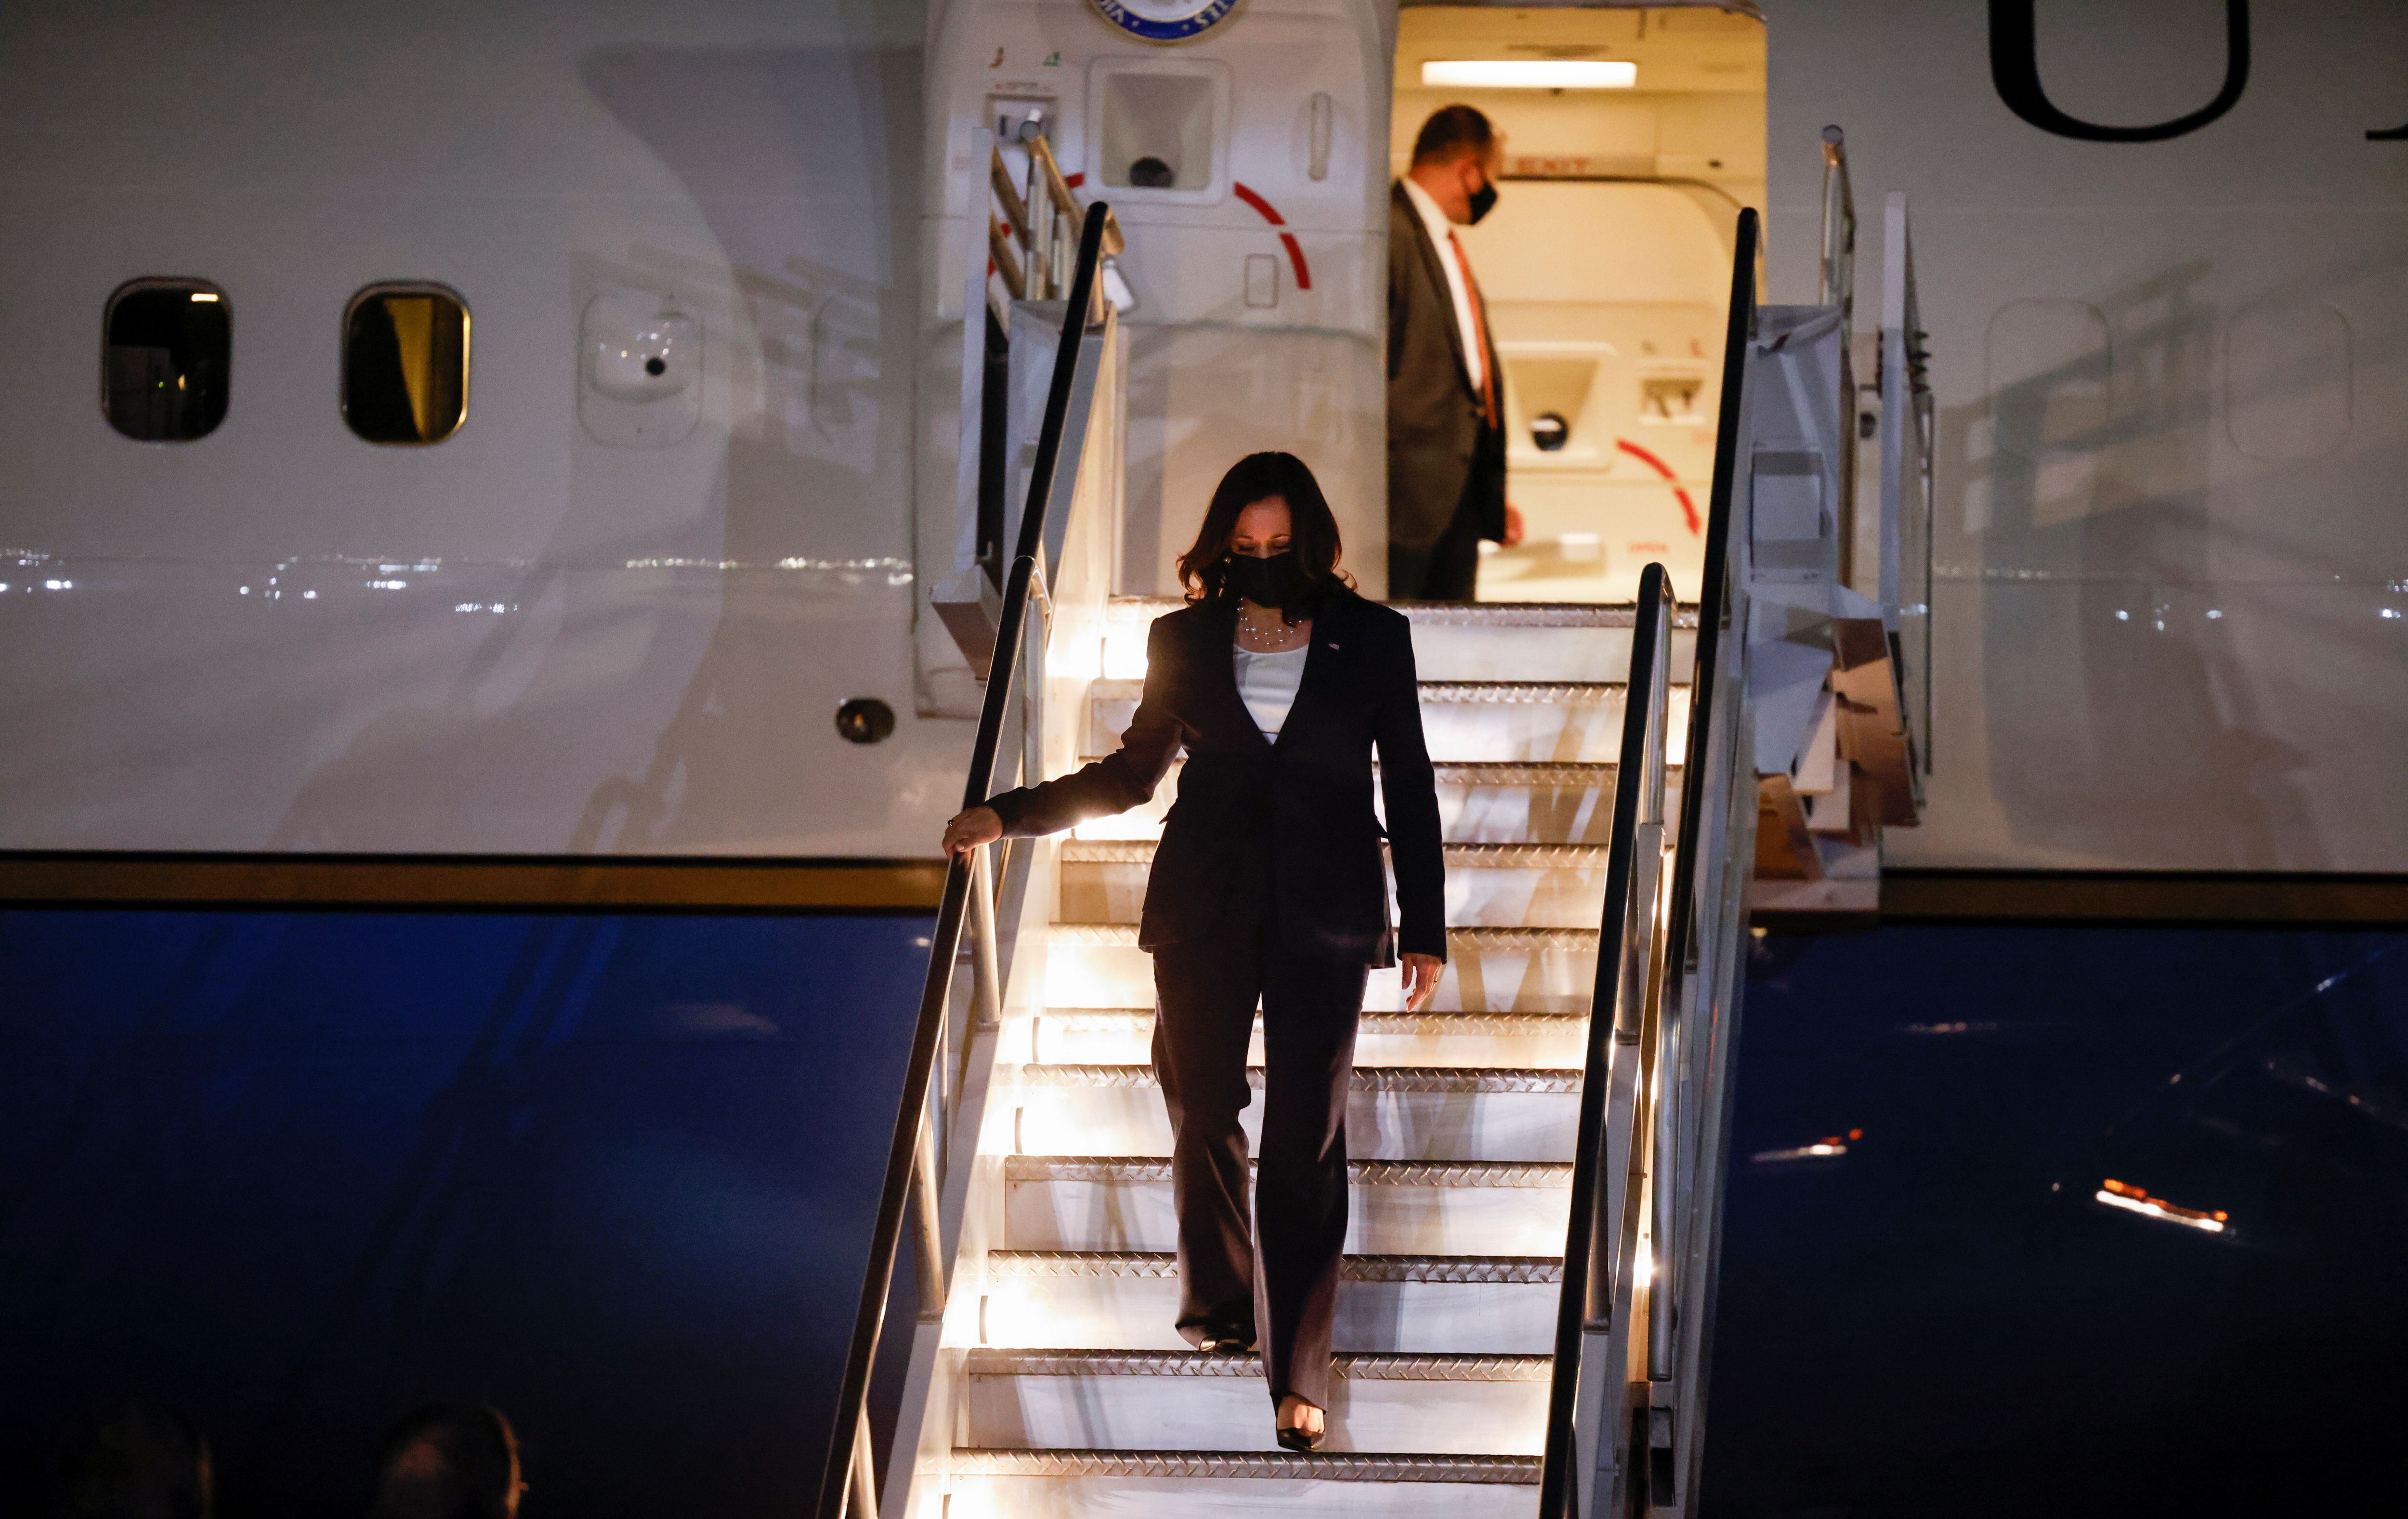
1267 888
1446 464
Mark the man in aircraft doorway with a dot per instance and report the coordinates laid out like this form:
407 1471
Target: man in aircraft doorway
1446 395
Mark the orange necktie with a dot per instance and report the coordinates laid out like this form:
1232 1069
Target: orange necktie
1479 331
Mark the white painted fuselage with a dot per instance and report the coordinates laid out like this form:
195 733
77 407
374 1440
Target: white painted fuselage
2170 607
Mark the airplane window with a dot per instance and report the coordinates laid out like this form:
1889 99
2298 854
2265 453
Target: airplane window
1157 130
165 347
406 363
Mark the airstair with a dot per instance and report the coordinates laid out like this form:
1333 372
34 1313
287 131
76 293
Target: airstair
1524 1319
1078 1395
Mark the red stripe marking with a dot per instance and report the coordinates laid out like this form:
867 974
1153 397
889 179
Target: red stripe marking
1287 239
1075 181
1679 492
1246 193
1296 257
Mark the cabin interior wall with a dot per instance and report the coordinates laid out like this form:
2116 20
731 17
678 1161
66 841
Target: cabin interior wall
1605 265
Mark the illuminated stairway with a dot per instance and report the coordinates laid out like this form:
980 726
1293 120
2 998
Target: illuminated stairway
1073 1393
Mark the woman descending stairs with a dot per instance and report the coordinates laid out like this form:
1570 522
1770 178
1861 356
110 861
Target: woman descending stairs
1072 1391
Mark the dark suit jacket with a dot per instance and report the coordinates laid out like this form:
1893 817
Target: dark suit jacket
1302 806
1442 455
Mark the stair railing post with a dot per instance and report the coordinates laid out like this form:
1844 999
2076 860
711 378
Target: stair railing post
929 1234
863 1501
987 1005
1663 1185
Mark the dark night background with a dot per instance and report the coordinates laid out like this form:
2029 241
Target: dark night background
1923 1326
295 1173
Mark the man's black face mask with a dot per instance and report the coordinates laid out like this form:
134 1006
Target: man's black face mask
1273 581
1483 200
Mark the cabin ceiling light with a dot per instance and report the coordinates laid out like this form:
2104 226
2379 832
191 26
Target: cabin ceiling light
1531 73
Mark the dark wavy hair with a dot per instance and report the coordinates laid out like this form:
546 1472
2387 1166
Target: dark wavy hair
1312 530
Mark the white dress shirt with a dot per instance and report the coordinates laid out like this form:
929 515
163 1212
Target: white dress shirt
1267 683
1441 236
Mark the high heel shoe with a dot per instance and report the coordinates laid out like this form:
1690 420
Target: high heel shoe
1226 1338
1296 1436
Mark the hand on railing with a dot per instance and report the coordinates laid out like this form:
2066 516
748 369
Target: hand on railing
970 828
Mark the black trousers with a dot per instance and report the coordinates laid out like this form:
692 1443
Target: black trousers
1277 1271
1447 570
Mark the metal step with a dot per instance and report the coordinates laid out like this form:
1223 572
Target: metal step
1490 884
1527 721
1125 1036
1547 639
1529 641
1115 1399
1464 721
1481 1305
1534 970
1516 801
1478 802
1504 855
1216 1484
1123 1202
1394 1112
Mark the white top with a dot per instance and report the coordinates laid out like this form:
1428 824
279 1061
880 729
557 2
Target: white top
1442 235
1268 682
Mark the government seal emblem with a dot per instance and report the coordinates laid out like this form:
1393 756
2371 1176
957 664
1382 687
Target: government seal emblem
1165 20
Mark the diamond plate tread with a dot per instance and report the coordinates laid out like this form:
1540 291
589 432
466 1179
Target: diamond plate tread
1552 693
1466 1079
1580 773
1529 614
1521 939
1504 1470
1466 1270
1111 934
1129 609
1393 1173
1492 1024
1361 1367
1491 856
1506 856
1108 851
1549 692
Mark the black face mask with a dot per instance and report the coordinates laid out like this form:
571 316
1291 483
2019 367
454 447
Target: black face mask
1275 581
1482 199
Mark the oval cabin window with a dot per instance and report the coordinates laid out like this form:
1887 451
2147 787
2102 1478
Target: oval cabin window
406 363
165 351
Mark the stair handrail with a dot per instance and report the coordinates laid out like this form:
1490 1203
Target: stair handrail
1602 1238
849 1482
1632 1126
1909 441
1836 279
